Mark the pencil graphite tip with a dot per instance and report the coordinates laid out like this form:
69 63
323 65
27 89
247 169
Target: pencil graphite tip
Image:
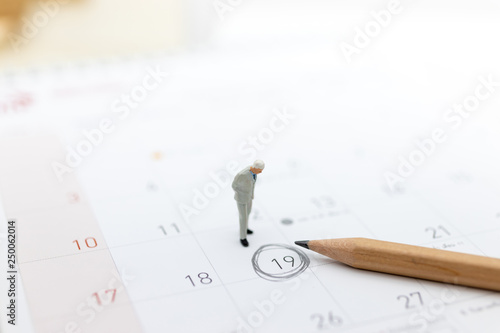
303 244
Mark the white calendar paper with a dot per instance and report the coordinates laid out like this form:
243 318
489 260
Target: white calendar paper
126 220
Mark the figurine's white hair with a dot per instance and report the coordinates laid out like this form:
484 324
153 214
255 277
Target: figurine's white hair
259 164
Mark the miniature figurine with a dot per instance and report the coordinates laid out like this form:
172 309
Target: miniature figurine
243 186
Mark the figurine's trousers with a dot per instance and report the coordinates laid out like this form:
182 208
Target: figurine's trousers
244 210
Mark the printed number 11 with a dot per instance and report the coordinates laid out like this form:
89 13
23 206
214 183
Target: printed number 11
174 225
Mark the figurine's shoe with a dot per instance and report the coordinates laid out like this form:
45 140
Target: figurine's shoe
249 231
244 242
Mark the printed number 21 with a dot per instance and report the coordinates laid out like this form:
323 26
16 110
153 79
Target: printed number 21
438 232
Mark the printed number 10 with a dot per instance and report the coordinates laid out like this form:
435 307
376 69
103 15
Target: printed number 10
89 241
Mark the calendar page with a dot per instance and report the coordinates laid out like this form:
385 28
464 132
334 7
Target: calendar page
118 213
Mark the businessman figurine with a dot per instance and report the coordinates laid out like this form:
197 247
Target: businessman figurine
243 186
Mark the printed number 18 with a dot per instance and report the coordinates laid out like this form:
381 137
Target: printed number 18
204 279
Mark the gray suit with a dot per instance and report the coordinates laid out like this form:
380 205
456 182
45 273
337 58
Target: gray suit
243 186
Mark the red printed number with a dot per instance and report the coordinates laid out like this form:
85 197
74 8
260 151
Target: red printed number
89 241
113 295
73 197
15 103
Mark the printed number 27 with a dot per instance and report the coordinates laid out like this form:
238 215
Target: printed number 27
408 299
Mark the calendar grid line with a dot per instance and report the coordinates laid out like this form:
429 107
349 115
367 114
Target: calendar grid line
324 287
223 228
360 220
461 236
353 324
346 313
41 210
125 289
389 317
218 276
49 283
63 256
231 297
70 315
444 218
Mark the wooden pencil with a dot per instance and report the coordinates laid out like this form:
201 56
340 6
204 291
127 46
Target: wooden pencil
413 261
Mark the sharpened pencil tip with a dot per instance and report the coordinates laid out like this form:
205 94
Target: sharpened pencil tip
302 243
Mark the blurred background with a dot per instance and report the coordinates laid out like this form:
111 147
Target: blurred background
429 42
49 31
377 74
424 38
365 81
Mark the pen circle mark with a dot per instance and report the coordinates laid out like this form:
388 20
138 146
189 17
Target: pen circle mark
296 271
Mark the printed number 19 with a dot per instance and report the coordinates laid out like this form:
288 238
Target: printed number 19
288 259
